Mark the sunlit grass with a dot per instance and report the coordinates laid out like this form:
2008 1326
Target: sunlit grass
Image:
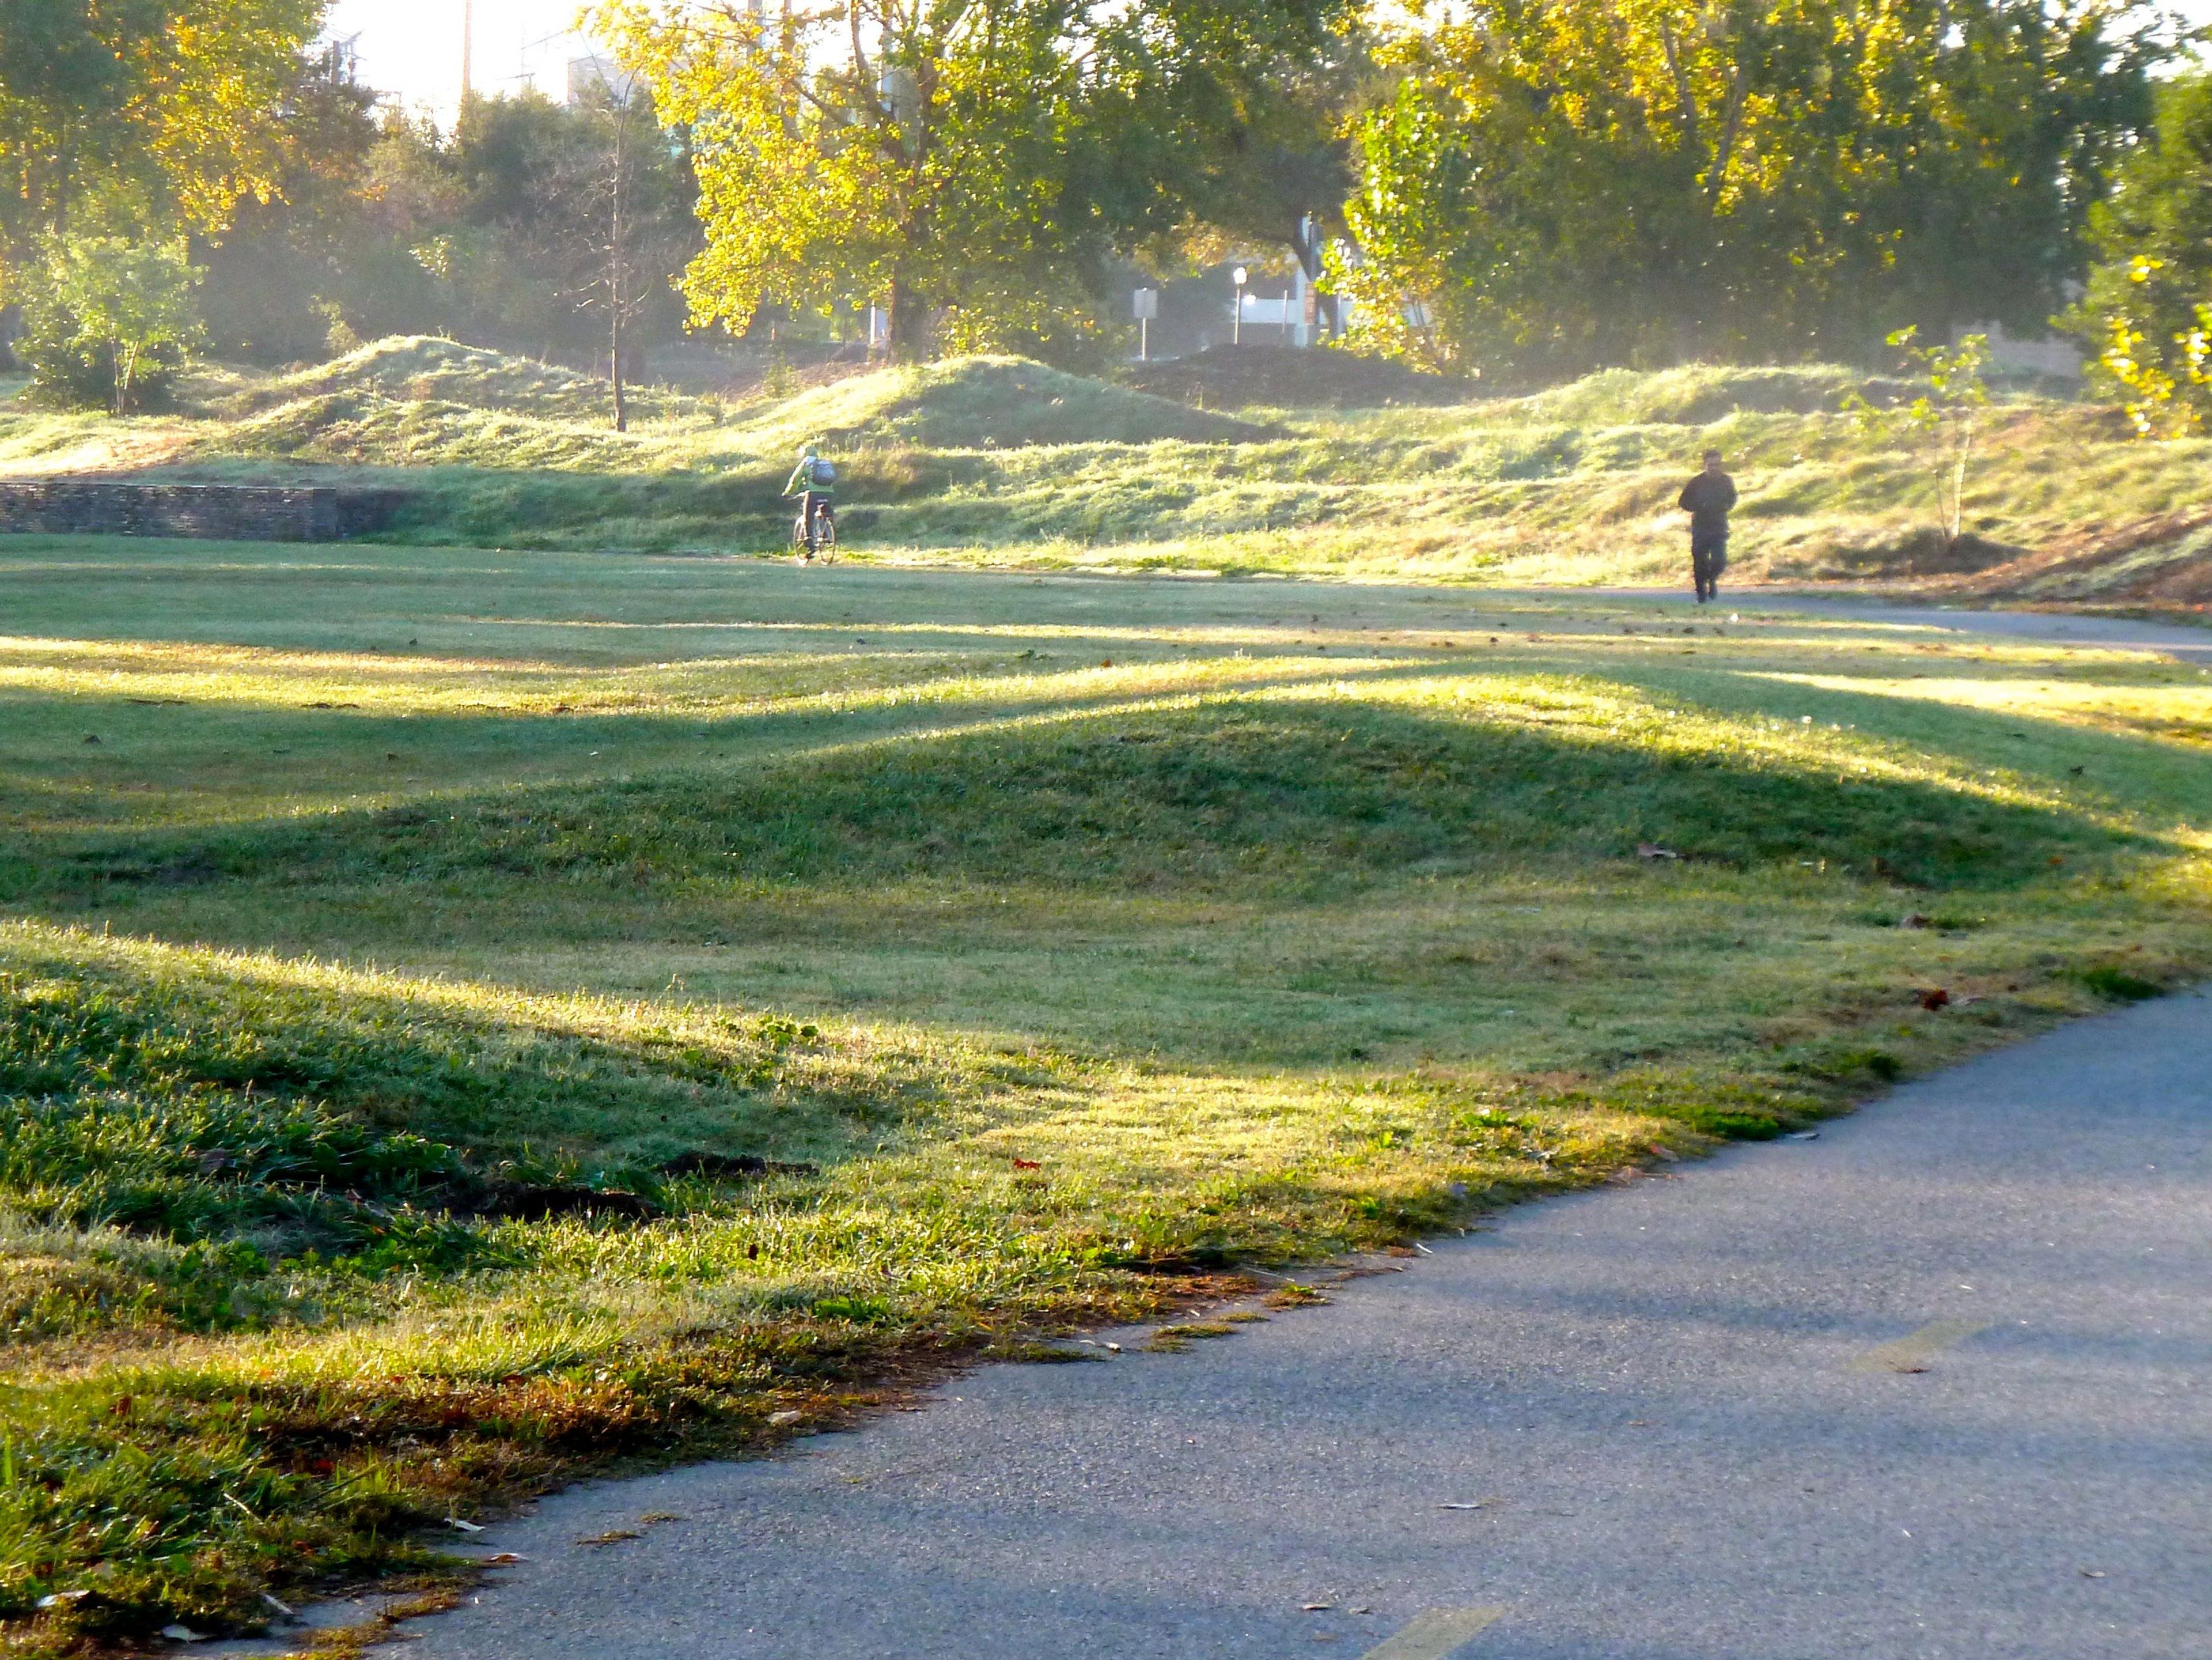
385 983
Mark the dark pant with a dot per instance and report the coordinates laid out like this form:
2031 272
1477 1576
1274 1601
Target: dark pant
1708 559
814 502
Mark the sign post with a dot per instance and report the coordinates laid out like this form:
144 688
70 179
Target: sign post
1147 308
1237 319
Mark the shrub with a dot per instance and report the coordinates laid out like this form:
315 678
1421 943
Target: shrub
109 321
2119 984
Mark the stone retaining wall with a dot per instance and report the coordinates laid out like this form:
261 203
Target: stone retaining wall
227 513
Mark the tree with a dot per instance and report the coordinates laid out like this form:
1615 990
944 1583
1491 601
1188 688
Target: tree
2148 310
1562 184
590 203
1946 417
283 274
125 117
969 165
109 319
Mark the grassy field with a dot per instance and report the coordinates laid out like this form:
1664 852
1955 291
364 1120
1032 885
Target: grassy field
468 1017
993 463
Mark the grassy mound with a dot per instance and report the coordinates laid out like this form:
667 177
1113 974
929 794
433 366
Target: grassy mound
1280 793
1360 470
1700 393
1285 378
427 369
264 1123
984 403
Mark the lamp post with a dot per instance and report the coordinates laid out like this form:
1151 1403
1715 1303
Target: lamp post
1237 319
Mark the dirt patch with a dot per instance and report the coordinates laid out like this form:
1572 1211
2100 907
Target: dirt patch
2162 561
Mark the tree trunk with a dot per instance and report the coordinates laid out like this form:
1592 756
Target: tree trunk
909 326
614 372
617 299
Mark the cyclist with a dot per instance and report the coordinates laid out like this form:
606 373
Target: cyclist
814 481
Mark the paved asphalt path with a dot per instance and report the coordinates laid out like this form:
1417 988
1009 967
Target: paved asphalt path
1937 1382
2180 640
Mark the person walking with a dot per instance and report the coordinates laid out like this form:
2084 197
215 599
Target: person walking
1707 499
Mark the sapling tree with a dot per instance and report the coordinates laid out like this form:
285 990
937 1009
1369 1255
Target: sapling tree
1944 418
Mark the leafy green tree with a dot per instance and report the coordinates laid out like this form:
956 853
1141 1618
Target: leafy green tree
971 165
126 117
2148 310
110 319
1558 184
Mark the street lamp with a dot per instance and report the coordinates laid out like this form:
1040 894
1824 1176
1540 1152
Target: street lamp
1237 323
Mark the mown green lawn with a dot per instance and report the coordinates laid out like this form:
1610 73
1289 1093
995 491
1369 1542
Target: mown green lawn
468 1017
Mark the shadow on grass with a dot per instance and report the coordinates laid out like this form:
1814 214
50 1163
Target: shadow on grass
2139 773
1288 793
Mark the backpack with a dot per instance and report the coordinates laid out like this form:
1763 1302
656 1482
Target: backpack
821 473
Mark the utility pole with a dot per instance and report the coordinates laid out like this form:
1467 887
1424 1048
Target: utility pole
468 49
617 253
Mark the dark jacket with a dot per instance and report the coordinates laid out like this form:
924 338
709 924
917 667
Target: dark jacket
1707 499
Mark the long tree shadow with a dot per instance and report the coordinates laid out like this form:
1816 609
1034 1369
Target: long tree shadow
2137 773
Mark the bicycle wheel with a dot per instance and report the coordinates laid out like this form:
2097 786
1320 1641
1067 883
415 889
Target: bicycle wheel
801 549
825 535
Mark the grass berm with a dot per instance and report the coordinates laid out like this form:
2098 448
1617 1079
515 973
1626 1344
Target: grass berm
470 1018
1252 461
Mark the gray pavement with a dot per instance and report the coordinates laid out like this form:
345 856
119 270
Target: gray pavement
2066 628
1935 1383
2179 640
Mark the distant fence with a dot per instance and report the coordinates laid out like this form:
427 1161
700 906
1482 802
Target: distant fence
226 512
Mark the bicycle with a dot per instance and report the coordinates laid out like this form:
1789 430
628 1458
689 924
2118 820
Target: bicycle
823 544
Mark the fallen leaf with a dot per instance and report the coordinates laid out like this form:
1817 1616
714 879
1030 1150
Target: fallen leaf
62 1599
1464 1504
1802 1135
502 1558
1935 998
1653 850
1316 1608
778 1420
465 1527
611 1536
1916 921
2093 1573
182 1634
1029 1164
